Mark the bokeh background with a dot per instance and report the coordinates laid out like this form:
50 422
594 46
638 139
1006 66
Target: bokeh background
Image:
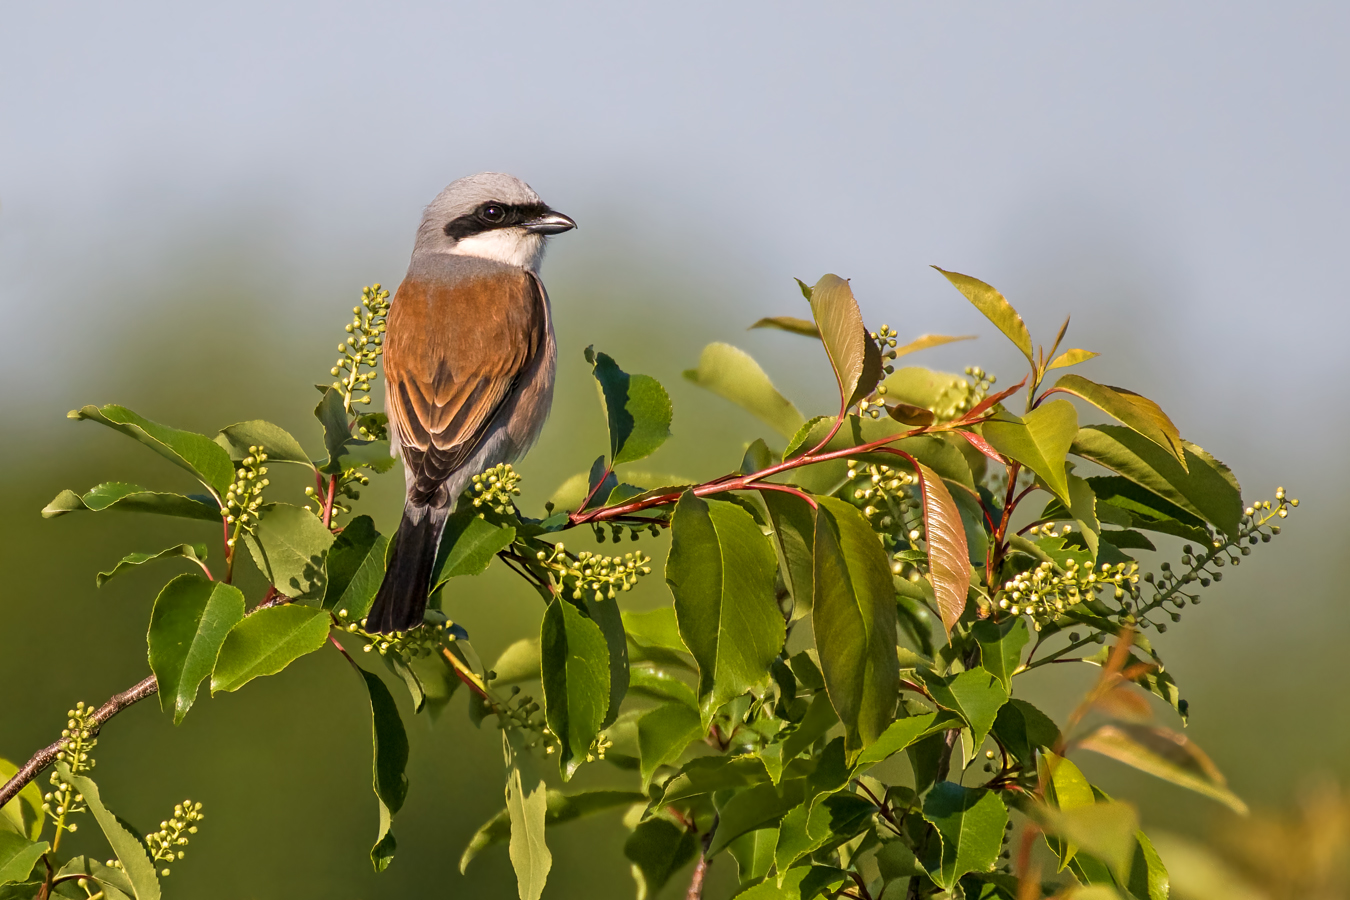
192 195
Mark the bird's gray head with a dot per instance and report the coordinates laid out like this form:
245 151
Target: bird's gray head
490 215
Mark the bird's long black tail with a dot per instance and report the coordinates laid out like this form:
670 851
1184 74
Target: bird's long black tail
402 598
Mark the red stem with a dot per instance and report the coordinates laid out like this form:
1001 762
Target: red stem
328 504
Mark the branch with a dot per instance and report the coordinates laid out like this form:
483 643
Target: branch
701 869
44 757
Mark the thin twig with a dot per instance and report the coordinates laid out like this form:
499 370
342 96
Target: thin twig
44 757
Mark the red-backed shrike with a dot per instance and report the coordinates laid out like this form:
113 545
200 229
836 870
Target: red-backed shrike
468 364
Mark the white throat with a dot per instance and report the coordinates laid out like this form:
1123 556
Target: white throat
513 246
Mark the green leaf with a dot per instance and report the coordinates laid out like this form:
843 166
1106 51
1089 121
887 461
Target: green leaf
290 545
663 734
801 883
1083 508
1039 440
926 388
1170 756
1103 830
710 774
1071 358
661 685
18 855
637 408
976 695
948 552
121 497
721 571
113 881
996 309
195 452
355 568
794 528
812 826
1122 502
1131 409
656 636
1066 789
527 808
733 374
819 718
605 614
275 441
1001 646
576 681
1205 488
468 545
970 822
194 552
853 354
901 733
127 846
753 852
1023 729
519 662
562 808
23 815
391 759
188 626
804 327
267 641
755 807
658 849
925 341
854 622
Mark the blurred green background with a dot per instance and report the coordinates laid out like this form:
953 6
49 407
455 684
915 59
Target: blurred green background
191 200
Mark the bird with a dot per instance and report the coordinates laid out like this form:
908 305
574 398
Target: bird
469 358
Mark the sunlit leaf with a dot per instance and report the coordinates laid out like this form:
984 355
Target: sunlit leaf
794 527
1001 646
576 681
190 621
561 808
853 354
755 807
275 441
995 308
1071 358
637 408
18 855
355 568
468 545
804 327
948 552
663 734
1131 409
134 498
267 641
195 452
970 822
527 809
924 341
290 546
733 374
1165 754
1023 729
901 733
126 846
193 552
23 815
1039 440
975 695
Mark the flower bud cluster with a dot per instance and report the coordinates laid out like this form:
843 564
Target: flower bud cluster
884 490
1048 530
963 396
1046 591
425 640
886 339
496 489
598 747
245 494
522 711
166 844
77 742
586 573
362 349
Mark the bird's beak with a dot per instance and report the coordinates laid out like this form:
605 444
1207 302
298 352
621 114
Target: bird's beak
550 223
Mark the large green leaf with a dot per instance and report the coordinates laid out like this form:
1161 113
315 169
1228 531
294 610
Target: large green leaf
562 808
753 852
355 568
1023 729
22 815
1039 440
275 441
996 309
122 497
290 545
188 626
637 408
975 695
193 552
812 826
721 571
901 733
576 681
658 849
755 807
128 848
1122 502
654 636
853 354
18 855
854 621
733 374
970 822
390 744
605 613
527 808
663 734
267 641
794 527
948 552
195 452
1134 410
1001 646
468 545
1205 488
1166 754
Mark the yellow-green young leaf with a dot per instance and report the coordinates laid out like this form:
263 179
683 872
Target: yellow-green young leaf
193 552
804 327
948 552
721 571
854 620
1040 440
266 642
996 309
658 849
853 354
1071 358
188 626
1166 754
576 681
901 733
290 545
732 373
390 743
1205 487
527 808
121 497
923 342
195 452
1134 410
126 846
970 822
561 808
22 815
18 856
1066 789
637 408
1083 508
275 441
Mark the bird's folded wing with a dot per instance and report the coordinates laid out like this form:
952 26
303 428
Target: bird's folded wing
453 356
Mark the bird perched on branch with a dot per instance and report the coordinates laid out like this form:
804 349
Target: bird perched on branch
468 363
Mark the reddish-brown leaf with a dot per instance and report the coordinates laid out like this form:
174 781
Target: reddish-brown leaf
948 554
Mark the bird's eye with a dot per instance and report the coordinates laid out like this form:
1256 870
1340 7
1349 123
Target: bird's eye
493 213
